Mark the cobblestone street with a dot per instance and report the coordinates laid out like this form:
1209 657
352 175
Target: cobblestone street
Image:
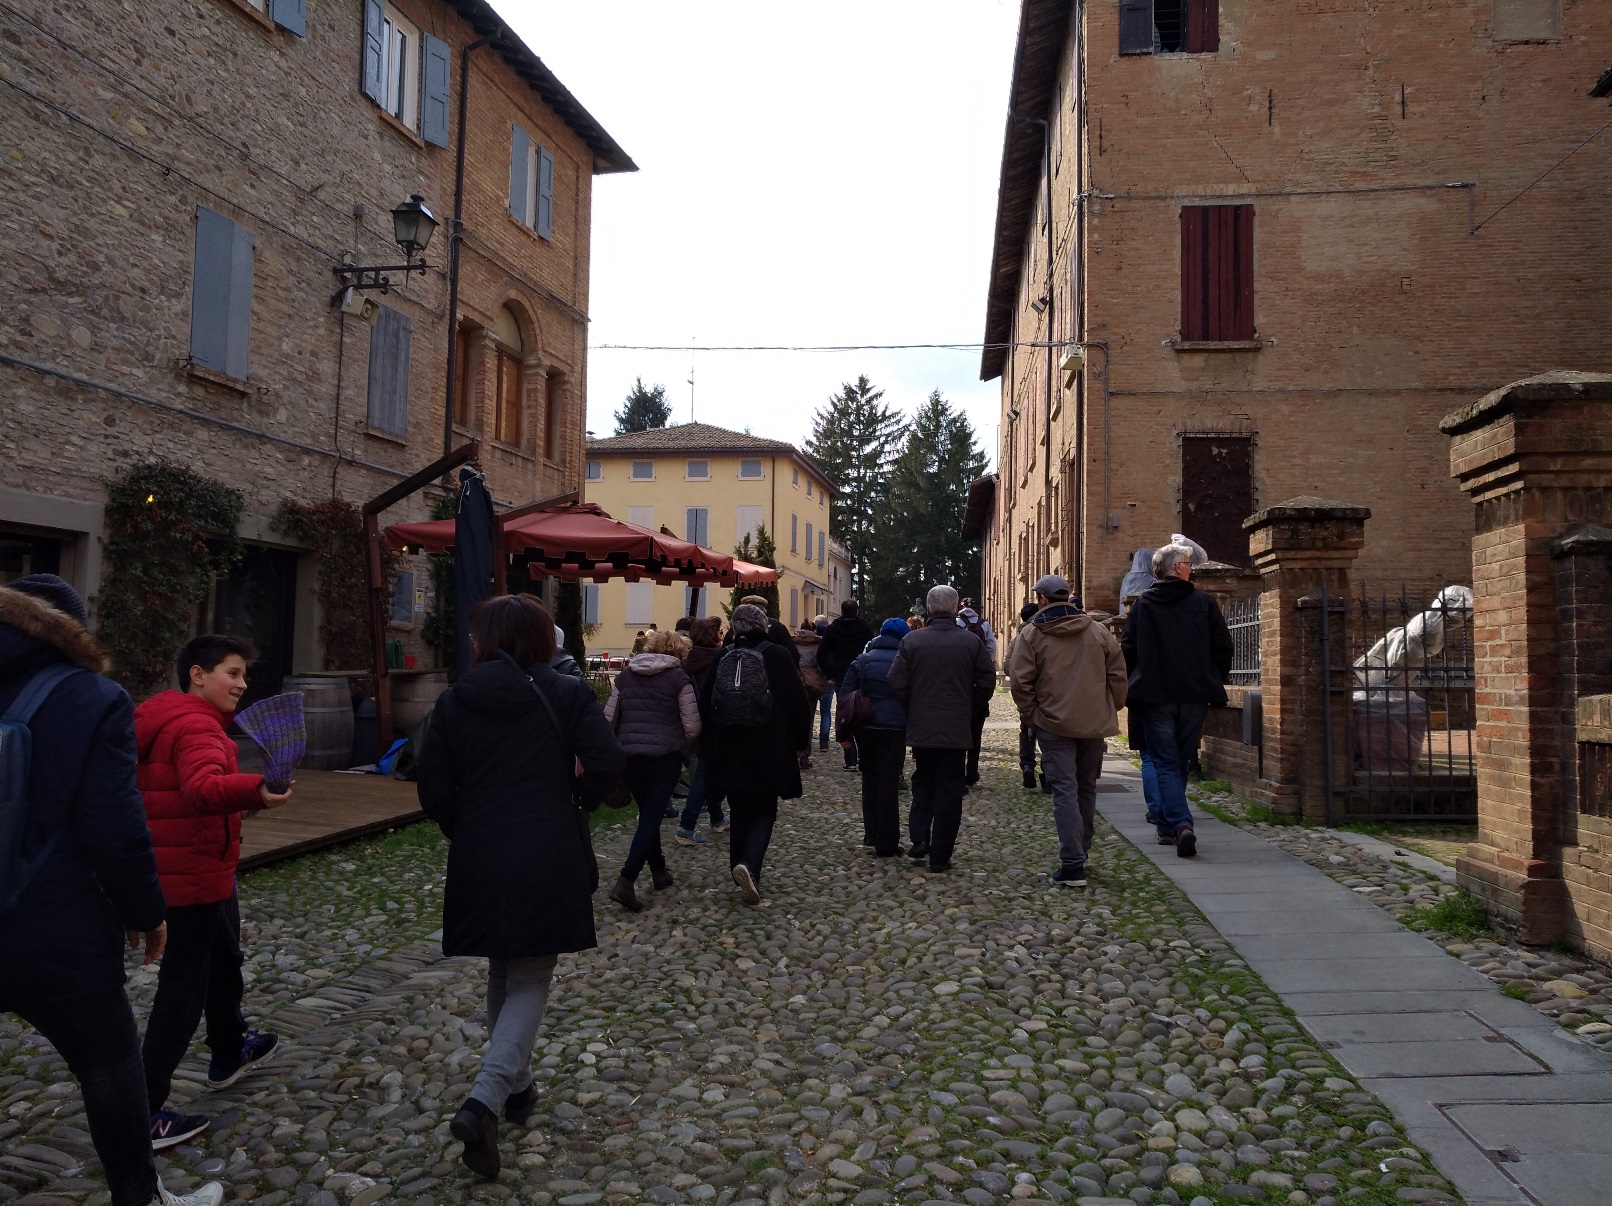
869 1034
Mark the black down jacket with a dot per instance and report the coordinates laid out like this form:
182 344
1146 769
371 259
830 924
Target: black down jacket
499 781
761 760
64 939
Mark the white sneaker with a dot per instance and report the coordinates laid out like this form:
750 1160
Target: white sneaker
210 1194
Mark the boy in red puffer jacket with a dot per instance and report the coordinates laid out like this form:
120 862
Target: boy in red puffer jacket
194 797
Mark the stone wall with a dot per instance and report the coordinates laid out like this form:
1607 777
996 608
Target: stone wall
119 121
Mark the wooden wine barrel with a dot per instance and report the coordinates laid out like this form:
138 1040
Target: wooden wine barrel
414 694
328 706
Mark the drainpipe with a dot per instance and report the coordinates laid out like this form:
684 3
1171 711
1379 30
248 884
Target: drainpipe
1052 352
455 239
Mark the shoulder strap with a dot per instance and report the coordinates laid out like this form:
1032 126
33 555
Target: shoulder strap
554 718
37 689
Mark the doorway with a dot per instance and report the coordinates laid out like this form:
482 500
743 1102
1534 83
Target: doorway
257 600
1217 493
22 554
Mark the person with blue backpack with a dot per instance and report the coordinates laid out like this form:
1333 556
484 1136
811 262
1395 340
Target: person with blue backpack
881 743
77 872
757 722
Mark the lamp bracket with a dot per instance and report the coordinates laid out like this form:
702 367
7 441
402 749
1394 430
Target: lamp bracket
366 277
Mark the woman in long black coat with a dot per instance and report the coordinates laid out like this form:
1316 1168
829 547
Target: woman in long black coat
497 773
755 766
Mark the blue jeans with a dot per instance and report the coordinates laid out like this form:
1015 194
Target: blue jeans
650 778
696 800
1150 783
1171 733
825 706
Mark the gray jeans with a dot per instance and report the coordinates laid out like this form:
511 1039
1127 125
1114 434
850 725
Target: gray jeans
517 994
1071 766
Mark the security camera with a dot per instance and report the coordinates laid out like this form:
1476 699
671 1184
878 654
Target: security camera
356 305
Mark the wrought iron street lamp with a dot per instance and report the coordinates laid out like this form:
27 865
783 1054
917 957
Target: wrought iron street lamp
412 226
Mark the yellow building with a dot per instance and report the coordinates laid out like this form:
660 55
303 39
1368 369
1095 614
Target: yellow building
715 487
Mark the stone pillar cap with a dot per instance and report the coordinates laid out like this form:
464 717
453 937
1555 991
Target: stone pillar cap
1559 386
1219 569
1306 506
1582 540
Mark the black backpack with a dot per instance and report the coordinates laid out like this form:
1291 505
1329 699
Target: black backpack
16 763
740 692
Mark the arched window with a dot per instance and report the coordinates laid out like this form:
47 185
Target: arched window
508 425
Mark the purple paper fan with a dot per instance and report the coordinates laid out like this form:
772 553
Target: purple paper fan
279 728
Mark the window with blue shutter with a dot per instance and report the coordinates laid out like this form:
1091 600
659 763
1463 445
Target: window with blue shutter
1136 26
388 399
590 604
221 294
374 78
520 159
697 525
822 548
290 15
434 92
544 223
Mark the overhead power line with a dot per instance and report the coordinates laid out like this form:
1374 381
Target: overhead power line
838 347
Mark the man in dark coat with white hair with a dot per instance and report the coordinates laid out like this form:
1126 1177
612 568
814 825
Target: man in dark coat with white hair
944 677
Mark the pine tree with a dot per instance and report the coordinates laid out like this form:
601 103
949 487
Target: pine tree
763 550
644 409
855 437
921 542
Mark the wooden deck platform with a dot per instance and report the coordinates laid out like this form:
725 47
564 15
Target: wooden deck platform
327 807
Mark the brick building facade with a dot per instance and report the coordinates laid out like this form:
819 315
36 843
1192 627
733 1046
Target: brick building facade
1281 240
180 181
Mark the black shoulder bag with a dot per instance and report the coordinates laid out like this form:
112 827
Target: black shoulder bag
583 831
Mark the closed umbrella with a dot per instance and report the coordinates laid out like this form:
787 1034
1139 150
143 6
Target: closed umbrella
473 526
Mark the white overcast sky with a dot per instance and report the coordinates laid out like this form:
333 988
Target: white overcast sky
809 174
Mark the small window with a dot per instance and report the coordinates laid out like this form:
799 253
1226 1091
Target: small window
748 519
401 67
749 470
699 471
531 183
808 540
509 416
596 471
1169 26
794 476
697 525
1217 273
590 603
794 533
808 487
640 603
822 548
405 71
643 471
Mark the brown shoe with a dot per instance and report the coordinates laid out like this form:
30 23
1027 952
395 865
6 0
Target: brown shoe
624 896
663 879
477 1128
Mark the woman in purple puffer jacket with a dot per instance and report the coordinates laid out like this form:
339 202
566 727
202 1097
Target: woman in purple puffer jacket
656 714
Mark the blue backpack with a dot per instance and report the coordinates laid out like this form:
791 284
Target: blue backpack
16 763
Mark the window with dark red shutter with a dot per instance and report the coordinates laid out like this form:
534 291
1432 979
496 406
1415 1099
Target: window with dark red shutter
1217 273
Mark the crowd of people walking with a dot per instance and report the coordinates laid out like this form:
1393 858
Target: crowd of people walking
127 821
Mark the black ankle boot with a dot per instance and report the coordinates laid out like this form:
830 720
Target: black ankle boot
518 1106
477 1128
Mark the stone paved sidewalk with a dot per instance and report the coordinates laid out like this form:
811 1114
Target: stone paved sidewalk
870 1034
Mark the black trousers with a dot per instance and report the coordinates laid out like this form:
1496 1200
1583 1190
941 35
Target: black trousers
937 801
1027 749
978 734
650 778
882 752
96 1035
200 976
751 819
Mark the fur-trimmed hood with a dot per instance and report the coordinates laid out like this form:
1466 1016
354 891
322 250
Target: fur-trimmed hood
35 624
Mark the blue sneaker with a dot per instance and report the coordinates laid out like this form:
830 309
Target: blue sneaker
690 837
170 1127
257 1047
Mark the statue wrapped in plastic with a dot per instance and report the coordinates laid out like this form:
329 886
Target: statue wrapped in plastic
1391 719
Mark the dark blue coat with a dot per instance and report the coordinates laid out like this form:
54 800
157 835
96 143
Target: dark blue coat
869 673
65 937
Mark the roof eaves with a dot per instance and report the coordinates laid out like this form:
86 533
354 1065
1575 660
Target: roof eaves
608 155
1043 31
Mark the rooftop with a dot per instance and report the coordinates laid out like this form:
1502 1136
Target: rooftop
703 437
607 153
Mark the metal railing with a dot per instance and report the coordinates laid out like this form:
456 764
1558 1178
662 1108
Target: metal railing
1399 693
1242 617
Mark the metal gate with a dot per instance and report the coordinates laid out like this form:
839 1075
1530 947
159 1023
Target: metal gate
1397 705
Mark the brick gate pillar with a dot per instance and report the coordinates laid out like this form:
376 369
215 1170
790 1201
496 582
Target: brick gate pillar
1298 547
1536 457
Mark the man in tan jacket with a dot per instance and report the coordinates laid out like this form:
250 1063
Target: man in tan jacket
1069 681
